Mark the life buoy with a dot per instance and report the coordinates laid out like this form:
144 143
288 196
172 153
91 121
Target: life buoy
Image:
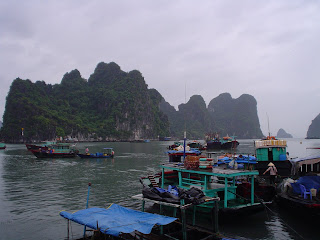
271 138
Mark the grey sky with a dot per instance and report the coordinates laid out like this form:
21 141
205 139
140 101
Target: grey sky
269 49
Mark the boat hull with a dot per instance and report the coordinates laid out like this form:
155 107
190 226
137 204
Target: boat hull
217 145
213 145
94 156
230 145
45 154
301 206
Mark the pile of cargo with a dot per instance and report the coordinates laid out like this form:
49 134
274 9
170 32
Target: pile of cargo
191 162
205 162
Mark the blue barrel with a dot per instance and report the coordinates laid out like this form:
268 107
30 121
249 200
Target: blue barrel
282 157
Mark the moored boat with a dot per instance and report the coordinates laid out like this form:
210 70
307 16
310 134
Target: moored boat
236 188
36 146
178 153
57 150
214 142
197 145
301 191
3 146
117 222
272 150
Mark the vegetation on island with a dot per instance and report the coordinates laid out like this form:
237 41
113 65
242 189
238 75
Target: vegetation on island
113 105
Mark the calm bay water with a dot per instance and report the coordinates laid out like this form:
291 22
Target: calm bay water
33 191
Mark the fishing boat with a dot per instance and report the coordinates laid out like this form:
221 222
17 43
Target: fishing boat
301 191
106 153
235 187
36 146
214 142
117 222
175 145
57 150
271 149
197 145
3 146
178 153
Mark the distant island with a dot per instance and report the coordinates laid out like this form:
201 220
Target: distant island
314 128
113 105
283 134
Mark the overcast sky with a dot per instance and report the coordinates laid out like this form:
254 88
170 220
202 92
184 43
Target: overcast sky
268 49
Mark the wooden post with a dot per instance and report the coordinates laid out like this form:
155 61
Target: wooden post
162 178
84 230
252 189
215 217
68 228
194 215
183 220
143 203
225 192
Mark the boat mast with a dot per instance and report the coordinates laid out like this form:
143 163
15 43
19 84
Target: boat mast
185 124
268 125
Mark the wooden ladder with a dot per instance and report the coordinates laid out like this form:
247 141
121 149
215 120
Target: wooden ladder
153 181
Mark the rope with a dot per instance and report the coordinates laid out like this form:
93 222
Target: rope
274 213
287 225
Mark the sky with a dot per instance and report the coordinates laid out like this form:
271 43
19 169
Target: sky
268 49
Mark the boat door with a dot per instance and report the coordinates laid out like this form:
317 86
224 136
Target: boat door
270 154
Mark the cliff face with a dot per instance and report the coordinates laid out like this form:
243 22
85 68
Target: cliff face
283 134
192 117
314 128
111 105
116 105
223 115
235 116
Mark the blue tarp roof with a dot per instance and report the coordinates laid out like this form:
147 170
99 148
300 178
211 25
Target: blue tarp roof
308 181
117 219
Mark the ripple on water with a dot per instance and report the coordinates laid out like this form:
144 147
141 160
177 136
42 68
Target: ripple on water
34 191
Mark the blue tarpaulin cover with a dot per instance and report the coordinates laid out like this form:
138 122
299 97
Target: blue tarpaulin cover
308 181
116 219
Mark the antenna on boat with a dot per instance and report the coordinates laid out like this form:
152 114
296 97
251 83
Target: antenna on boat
185 123
268 125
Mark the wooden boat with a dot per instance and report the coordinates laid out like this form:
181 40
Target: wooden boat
107 153
3 146
230 185
272 150
293 198
117 222
57 150
214 142
177 154
306 200
197 145
36 146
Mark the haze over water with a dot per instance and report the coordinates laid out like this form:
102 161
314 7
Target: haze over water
33 191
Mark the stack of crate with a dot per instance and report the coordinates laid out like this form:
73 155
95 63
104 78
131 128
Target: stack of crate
205 162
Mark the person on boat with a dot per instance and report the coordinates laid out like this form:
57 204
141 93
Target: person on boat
288 157
87 150
273 172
